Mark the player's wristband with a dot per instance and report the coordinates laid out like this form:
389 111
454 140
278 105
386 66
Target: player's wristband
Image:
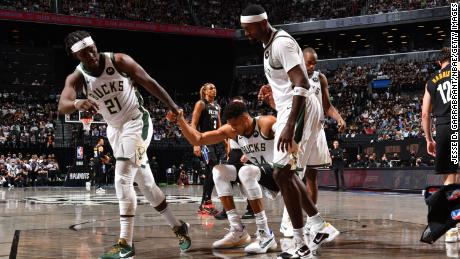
75 103
300 91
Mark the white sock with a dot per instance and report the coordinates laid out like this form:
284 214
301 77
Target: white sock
299 237
169 217
127 229
316 222
285 215
261 222
234 220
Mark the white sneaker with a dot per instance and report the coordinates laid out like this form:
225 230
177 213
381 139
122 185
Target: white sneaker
452 250
100 191
287 229
332 231
234 238
262 244
452 235
319 234
299 251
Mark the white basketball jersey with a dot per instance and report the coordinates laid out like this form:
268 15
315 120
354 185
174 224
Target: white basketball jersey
257 148
233 144
113 92
276 74
315 86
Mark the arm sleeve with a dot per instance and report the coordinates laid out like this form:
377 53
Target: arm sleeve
286 52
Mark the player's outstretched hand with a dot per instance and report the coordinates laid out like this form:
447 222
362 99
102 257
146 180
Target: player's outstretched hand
172 117
86 105
431 148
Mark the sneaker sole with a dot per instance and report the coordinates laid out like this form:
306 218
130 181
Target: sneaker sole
242 243
270 247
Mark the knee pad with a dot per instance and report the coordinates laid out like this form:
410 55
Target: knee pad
249 176
124 177
148 187
223 175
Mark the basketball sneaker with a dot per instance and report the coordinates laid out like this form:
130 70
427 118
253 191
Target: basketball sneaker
452 235
330 229
120 250
299 251
286 228
320 233
263 243
234 238
185 243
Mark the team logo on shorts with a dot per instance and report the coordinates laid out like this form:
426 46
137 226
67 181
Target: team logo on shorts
140 151
110 71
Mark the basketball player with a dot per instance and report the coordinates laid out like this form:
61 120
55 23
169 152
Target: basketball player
299 111
320 155
206 117
437 100
107 81
255 138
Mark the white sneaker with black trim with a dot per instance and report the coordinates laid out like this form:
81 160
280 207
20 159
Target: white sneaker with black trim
300 251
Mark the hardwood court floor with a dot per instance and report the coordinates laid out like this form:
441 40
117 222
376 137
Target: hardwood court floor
74 223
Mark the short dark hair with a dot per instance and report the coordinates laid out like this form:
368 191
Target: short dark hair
253 9
72 38
234 110
311 50
444 55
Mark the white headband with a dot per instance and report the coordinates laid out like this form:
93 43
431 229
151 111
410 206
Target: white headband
254 18
79 45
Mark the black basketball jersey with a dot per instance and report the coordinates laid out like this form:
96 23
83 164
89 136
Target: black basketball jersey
209 116
439 89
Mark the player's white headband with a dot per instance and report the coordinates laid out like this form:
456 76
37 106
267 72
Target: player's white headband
254 18
79 45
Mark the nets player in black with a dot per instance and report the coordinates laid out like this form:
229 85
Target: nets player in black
437 100
206 117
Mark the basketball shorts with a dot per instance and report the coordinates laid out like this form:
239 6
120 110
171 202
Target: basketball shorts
305 143
130 141
443 165
265 180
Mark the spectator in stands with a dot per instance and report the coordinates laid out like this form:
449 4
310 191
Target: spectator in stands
384 161
359 163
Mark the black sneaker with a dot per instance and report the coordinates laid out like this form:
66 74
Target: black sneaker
181 232
221 215
248 215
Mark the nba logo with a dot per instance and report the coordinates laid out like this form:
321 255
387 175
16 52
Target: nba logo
80 153
455 214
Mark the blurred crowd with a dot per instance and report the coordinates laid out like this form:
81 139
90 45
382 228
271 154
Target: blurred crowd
27 119
221 14
18 170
